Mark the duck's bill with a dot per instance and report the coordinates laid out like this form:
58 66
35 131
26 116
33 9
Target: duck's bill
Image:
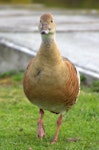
44 31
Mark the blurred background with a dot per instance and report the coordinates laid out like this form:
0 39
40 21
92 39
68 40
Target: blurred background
77 36
58 3
77 33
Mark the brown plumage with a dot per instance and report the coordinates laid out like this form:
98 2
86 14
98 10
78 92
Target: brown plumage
50 82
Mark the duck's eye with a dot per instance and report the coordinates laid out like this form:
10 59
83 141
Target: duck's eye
51 21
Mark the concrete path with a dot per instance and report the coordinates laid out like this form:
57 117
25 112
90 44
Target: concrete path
77 35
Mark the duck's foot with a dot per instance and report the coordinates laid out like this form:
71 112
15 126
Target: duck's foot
59 122
41 132
53 141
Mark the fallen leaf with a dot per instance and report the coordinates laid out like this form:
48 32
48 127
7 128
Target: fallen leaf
30 148
73 139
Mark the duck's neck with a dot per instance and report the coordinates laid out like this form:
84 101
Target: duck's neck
48 50
47 39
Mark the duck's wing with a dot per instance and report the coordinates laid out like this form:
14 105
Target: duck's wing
73 70
26 74
72 83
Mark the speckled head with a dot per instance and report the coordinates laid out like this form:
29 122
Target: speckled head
47 25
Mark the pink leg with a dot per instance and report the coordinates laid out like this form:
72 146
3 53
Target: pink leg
59 122
41 132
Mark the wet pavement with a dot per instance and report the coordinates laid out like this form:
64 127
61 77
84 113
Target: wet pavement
77 34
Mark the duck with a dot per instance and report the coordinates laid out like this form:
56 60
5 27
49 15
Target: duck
50 82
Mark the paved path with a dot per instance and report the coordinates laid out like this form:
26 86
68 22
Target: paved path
77 34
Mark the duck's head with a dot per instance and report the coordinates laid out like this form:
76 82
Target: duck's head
47 25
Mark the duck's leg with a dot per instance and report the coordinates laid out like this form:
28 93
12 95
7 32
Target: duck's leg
41 132
59 122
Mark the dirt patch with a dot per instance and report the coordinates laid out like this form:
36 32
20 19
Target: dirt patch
6 81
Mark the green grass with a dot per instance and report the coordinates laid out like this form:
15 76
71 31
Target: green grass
18 121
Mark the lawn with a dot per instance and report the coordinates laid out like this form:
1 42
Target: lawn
18 121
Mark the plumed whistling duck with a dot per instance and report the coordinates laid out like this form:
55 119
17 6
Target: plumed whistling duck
50 81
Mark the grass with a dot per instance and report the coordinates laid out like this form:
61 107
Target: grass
18 121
